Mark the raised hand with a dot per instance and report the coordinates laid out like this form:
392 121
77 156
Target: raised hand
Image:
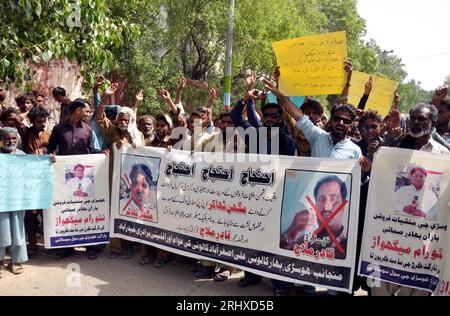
164 94
269 86
112 89
440 94
182 84
348 67
373 147
368 86
277 74
366 164
139 97
99 81
212 93
250 80
394 132
254 94
396 101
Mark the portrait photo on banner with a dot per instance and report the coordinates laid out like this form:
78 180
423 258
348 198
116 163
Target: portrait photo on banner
315 212
417 191
79 180
138 184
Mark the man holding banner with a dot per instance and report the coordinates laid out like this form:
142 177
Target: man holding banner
12 227
62 137
423 118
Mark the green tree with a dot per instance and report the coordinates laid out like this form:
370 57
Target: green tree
412 93
35 31
447 80
189 37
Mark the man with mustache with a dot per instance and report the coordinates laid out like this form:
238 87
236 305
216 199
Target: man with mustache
146 124
416 199
12 228
423 118
329 193
333 144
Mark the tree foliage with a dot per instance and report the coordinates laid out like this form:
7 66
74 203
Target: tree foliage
179 38
35 31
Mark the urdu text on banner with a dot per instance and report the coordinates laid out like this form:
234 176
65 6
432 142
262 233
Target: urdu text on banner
312 65
287 220
79 212
406 226
26 182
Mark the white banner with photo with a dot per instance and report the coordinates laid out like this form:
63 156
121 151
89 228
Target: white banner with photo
285 218
406 227
79 211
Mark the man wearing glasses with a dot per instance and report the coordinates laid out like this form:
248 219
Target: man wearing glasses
333 144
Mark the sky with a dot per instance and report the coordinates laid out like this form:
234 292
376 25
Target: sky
418 31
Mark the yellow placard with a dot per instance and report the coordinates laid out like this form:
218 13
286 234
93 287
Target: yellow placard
312 65
380 98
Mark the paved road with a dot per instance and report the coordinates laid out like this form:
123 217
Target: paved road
104 276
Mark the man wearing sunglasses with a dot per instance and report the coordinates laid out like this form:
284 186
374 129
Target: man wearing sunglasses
333 144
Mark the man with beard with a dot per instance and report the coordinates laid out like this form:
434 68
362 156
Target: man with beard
146 124
423 118
329 193
12 223
74 137
124 133
333 144
163 129
442 102
35 139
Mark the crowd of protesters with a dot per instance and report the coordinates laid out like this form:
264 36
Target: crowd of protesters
87 127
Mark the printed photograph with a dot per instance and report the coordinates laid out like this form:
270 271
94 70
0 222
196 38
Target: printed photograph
138 187
417 192
79 180
315 212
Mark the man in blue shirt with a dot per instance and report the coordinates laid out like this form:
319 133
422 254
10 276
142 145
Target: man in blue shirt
333 144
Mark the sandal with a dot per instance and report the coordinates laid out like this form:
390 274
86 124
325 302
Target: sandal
32 252
63 253
177 261
113 254
222 275
205 272
195 267
146 260
91 254
279 292
15 268
127 254
159 263
247 282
